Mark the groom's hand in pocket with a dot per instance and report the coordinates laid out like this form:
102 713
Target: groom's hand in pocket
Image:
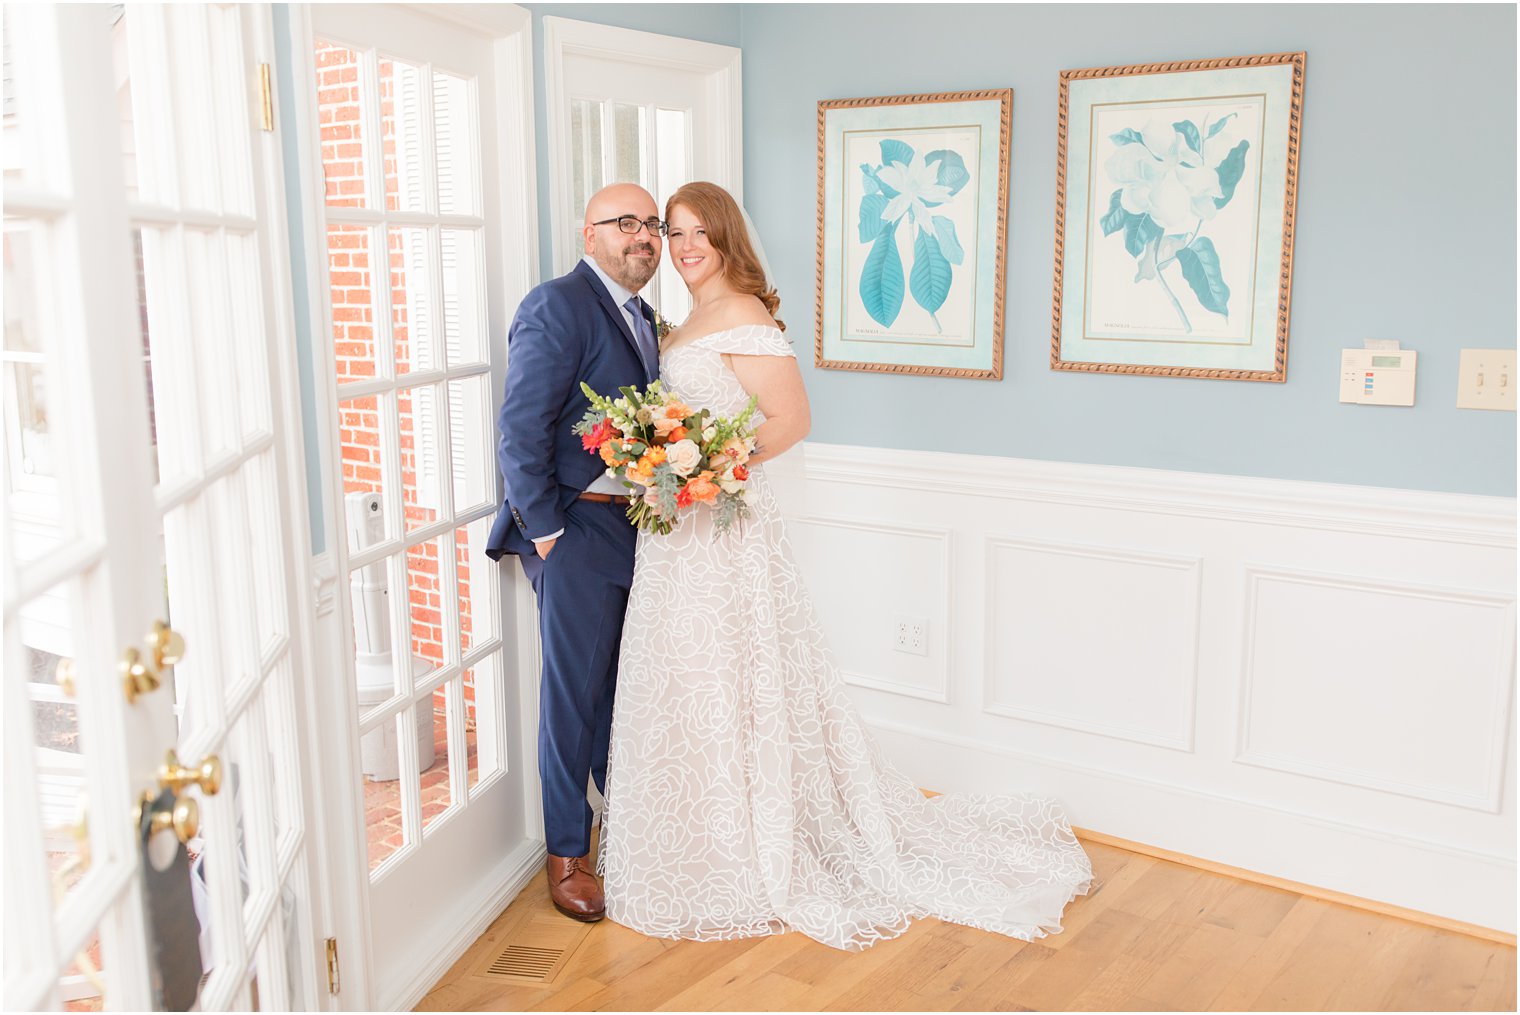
544 547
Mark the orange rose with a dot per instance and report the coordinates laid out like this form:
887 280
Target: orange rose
701 489
678 434
610 453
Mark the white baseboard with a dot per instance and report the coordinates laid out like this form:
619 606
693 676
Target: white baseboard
405 987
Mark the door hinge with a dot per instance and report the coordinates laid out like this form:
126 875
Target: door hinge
334 983
266 97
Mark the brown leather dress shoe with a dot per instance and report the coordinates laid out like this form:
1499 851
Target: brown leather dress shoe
574 889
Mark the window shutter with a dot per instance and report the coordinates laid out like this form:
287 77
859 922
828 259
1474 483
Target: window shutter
409 140
10 81
444 143
452 346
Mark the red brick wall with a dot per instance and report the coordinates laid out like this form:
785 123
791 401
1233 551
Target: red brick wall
351 267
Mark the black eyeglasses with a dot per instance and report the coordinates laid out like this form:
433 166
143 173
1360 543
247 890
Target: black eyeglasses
630 224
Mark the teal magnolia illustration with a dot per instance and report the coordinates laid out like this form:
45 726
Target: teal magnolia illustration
899 194
1174 178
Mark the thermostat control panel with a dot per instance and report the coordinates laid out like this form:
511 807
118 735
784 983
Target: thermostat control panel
1377 376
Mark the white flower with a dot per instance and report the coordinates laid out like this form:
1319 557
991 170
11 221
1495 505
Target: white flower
683 456
915 183
728 484
709 433
1163 177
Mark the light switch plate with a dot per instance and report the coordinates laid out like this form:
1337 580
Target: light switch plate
1486 379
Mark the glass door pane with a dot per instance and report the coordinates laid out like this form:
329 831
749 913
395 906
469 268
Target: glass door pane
619 142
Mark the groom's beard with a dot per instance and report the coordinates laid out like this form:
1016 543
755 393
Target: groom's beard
631 265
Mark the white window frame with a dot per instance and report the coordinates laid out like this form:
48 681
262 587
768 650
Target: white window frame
721 140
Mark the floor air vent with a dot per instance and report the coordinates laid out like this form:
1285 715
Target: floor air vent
536 951
525 962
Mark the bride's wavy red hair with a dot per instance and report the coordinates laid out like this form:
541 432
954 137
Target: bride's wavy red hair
726 231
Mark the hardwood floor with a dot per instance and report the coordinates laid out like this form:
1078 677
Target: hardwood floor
1153 936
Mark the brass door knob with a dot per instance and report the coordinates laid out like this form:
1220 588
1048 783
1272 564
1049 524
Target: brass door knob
184 819
166 644
207 775
80 830
138 677
64 674
74 866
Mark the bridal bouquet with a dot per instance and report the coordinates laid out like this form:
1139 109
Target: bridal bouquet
680 456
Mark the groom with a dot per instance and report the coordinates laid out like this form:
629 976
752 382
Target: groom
565 520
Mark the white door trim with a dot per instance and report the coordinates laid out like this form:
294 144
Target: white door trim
724 141
336 750
335 753
293 495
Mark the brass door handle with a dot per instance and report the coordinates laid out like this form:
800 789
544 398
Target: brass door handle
79 831
138 677
207 775
184 819
64 674
167 645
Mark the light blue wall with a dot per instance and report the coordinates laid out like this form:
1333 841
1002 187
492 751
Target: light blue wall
299 272
1406 230
1406 225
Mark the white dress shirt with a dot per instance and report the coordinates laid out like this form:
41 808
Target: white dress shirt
604 483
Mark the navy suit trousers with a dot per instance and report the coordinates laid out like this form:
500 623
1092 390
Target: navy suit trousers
582 592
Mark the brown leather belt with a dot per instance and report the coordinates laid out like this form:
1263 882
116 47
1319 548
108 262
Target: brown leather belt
599 498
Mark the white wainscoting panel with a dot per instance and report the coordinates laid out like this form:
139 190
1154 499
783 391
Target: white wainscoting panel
1307 680
1065 624
895 571
1390 686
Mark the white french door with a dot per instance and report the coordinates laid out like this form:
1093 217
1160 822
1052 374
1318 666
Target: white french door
635 107
418 154
155 590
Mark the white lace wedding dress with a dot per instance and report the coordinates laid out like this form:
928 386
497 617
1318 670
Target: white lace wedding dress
744 794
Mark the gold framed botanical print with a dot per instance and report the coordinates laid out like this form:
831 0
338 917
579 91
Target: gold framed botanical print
1175 198
912 233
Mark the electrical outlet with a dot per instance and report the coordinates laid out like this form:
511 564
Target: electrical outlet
911 635
1486 379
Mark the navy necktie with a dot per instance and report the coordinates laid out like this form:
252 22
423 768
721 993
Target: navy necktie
645 336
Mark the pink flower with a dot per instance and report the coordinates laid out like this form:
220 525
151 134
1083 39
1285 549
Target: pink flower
601 434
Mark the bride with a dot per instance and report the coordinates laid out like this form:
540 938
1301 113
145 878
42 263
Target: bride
744 794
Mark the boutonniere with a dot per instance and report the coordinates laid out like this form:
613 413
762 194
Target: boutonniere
662 327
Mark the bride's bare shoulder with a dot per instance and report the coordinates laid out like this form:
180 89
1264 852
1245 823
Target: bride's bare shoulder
740 309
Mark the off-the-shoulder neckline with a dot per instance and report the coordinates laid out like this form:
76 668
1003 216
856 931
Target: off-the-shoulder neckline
721 331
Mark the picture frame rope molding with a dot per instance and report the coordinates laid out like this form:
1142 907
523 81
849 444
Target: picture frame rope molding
1294 120
994 371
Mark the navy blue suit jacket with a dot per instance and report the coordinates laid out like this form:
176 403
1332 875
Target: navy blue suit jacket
566 331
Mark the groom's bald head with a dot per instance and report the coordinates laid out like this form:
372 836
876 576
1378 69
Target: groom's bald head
629 258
